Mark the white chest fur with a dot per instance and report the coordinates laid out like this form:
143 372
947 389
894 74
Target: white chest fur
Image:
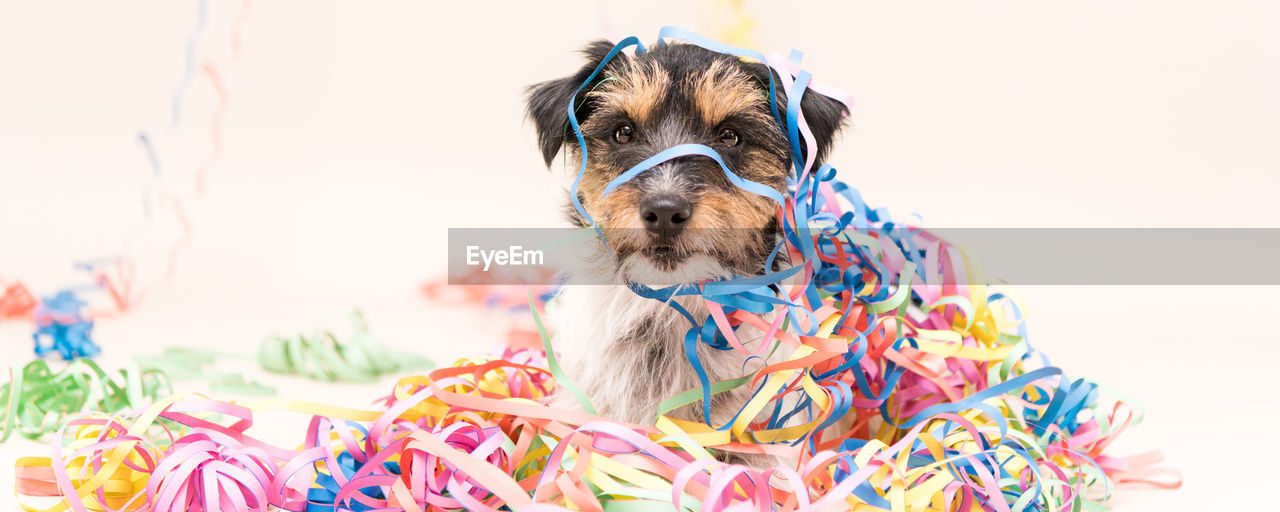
627 354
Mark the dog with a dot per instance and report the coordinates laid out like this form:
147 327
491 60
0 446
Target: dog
679 222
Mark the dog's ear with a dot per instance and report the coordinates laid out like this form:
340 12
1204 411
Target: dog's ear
547 102
824 115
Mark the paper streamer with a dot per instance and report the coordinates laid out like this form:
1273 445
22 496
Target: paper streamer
910 386
118 275
325 355
476 436
59 319
186 364
16 301
37 399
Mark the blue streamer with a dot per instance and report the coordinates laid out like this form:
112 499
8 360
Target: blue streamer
59 319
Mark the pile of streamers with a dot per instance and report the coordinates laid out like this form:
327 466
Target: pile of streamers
328 356
37 400
918 391
478 436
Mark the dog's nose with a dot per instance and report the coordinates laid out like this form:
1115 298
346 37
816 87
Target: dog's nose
665 215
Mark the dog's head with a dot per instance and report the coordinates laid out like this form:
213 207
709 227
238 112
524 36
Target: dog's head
681 220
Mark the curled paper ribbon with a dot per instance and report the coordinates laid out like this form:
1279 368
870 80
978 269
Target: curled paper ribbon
514 373
327 356
37 400
490 444
16 301
909 386
434 484
59 319
181 364
208 472
117 275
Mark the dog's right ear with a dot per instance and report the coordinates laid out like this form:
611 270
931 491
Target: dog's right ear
548 102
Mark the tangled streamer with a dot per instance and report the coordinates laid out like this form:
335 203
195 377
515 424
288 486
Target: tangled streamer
918 391
16 301
208 471
479 436
60 320
117 276
185 364
37 399
327 356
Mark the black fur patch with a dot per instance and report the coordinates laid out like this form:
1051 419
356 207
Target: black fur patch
547 102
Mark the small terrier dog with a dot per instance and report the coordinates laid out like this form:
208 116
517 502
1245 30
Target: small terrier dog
681 221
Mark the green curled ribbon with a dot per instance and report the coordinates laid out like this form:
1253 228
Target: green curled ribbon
327 357
37 399
181 363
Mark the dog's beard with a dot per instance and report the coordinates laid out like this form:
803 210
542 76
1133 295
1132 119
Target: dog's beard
697 256
667 268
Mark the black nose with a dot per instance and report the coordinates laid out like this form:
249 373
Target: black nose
665 215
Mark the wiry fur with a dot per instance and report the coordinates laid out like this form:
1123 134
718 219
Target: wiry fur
626 352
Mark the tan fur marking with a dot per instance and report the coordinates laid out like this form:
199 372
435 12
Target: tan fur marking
638 90
722 91
731 210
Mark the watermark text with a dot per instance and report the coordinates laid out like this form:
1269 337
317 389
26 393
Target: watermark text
513 255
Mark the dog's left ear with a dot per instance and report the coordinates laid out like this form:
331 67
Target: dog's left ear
824 115
547 102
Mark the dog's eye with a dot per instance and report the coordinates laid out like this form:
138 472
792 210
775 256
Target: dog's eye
624 134
729 137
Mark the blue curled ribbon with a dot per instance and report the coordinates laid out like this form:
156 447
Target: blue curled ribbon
694 149
975 400
864 491
577 130
819 237
321 499
751 293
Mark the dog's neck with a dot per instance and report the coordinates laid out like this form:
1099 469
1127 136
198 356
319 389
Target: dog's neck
627 352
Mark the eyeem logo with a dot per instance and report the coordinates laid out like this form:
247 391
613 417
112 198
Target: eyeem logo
514 255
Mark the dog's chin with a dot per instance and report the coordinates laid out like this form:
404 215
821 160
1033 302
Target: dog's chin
656 267
665 257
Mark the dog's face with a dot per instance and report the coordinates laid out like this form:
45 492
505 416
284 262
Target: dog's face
681 220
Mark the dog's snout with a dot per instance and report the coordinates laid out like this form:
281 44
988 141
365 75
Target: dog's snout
665 215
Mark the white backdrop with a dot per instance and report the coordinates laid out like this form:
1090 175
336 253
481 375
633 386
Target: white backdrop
356 133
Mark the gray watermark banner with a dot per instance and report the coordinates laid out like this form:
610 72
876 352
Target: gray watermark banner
1030 256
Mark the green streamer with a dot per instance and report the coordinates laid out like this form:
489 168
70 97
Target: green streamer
37 400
